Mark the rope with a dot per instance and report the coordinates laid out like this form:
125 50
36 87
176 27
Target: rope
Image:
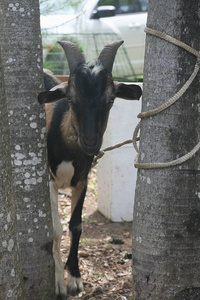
135 137
172 40
172 100
102 152
169 103
188 82
167 164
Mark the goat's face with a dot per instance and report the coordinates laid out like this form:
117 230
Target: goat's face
90 93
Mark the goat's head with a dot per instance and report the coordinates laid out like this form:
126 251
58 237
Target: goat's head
90 93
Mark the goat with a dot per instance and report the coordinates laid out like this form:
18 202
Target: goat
50 80
75 127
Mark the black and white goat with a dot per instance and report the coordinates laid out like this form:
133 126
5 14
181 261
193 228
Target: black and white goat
75 127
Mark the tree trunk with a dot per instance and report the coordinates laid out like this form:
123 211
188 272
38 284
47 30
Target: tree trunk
11 283
166 224
22 69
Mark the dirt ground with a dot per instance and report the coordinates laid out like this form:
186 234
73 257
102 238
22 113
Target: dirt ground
104 250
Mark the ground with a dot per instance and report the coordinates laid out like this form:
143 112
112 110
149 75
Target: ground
104 250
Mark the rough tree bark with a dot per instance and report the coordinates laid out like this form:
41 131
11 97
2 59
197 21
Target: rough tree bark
21 52
11 283
166 224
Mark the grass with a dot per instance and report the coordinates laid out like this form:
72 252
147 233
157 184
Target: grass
87 221
123 221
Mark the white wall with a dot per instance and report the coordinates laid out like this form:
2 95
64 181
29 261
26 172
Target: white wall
116 172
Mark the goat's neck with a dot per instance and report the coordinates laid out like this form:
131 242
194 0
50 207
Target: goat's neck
69 129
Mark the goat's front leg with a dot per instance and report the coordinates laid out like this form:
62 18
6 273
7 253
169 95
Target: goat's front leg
74 284
57 234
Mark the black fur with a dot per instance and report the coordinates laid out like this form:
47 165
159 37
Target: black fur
49 80
90 84
75 228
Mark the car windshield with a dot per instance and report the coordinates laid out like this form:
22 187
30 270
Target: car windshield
61 7
126 6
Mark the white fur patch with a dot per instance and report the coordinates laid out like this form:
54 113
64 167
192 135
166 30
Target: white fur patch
57 234
64 174
97 69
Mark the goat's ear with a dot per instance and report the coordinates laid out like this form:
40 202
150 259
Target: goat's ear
128 91
55 94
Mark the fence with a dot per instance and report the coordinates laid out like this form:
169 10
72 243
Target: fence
91 45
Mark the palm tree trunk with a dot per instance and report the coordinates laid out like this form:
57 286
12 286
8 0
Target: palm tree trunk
166 224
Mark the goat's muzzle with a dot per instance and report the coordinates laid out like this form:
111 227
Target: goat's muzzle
90 145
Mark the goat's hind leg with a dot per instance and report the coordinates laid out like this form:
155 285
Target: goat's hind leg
60 286
74 282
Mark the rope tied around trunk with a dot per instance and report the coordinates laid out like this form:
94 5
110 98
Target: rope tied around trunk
171 101
159 109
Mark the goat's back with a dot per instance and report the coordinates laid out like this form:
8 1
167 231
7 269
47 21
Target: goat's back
49 80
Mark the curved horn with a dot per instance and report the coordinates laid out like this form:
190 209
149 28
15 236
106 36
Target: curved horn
73 54
108 53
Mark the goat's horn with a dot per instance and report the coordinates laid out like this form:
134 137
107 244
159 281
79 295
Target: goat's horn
108 53
73 54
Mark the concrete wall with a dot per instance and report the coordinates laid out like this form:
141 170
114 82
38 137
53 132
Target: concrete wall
116 173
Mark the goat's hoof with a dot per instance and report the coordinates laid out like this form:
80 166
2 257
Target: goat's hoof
61 297
61 292
74 285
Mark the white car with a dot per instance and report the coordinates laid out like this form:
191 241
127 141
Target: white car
94 24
